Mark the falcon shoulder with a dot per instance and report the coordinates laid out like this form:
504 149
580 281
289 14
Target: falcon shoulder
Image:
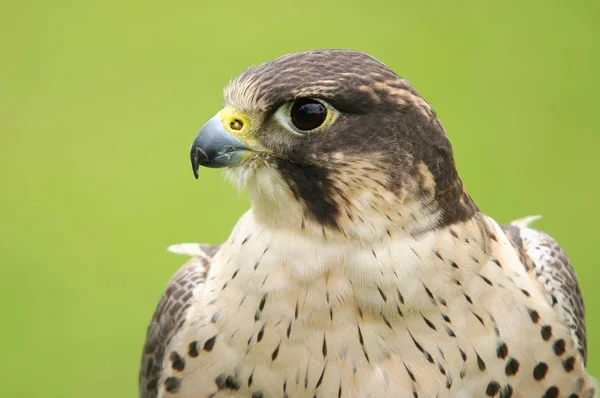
546 261
171 311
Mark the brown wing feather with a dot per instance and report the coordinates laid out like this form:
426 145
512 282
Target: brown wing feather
170 315
548 263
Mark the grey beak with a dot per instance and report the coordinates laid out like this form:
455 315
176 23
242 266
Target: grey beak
216 147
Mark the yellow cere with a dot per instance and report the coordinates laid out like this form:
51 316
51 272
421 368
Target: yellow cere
239 125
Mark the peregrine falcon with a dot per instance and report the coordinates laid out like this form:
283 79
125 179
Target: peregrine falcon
363 267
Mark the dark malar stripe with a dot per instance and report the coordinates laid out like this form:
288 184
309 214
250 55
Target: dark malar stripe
312 187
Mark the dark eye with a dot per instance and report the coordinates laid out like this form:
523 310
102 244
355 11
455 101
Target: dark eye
308 114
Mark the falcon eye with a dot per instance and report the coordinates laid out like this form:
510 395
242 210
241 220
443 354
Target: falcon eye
308 114
305 115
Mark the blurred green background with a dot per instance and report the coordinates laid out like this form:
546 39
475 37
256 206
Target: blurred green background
99 102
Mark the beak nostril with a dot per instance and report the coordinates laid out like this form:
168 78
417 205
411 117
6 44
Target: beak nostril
236 124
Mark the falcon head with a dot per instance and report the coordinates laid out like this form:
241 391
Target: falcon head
334 142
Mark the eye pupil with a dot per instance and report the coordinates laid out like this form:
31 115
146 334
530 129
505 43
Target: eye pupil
308 114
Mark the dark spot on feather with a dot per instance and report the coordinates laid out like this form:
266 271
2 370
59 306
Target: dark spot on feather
429 294
227 382
540 370
552 392
428 322
275 353
535 316
492 389
385 320
263 300
506 392
559 347
321 377
420 348
172 384
489 282
569 364
400 297
177 362
478 318
546 332
261 333
410 374
209 344
399 311
193 349
383 296
512 367
480 362
360 337
502 350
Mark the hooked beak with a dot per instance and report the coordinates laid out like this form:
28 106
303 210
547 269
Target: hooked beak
216 147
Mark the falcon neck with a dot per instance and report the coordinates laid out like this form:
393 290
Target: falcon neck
362 217
361 272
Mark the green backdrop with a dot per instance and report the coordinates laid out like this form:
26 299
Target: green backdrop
99 102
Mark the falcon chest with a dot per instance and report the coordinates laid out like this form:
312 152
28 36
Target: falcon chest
285 315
